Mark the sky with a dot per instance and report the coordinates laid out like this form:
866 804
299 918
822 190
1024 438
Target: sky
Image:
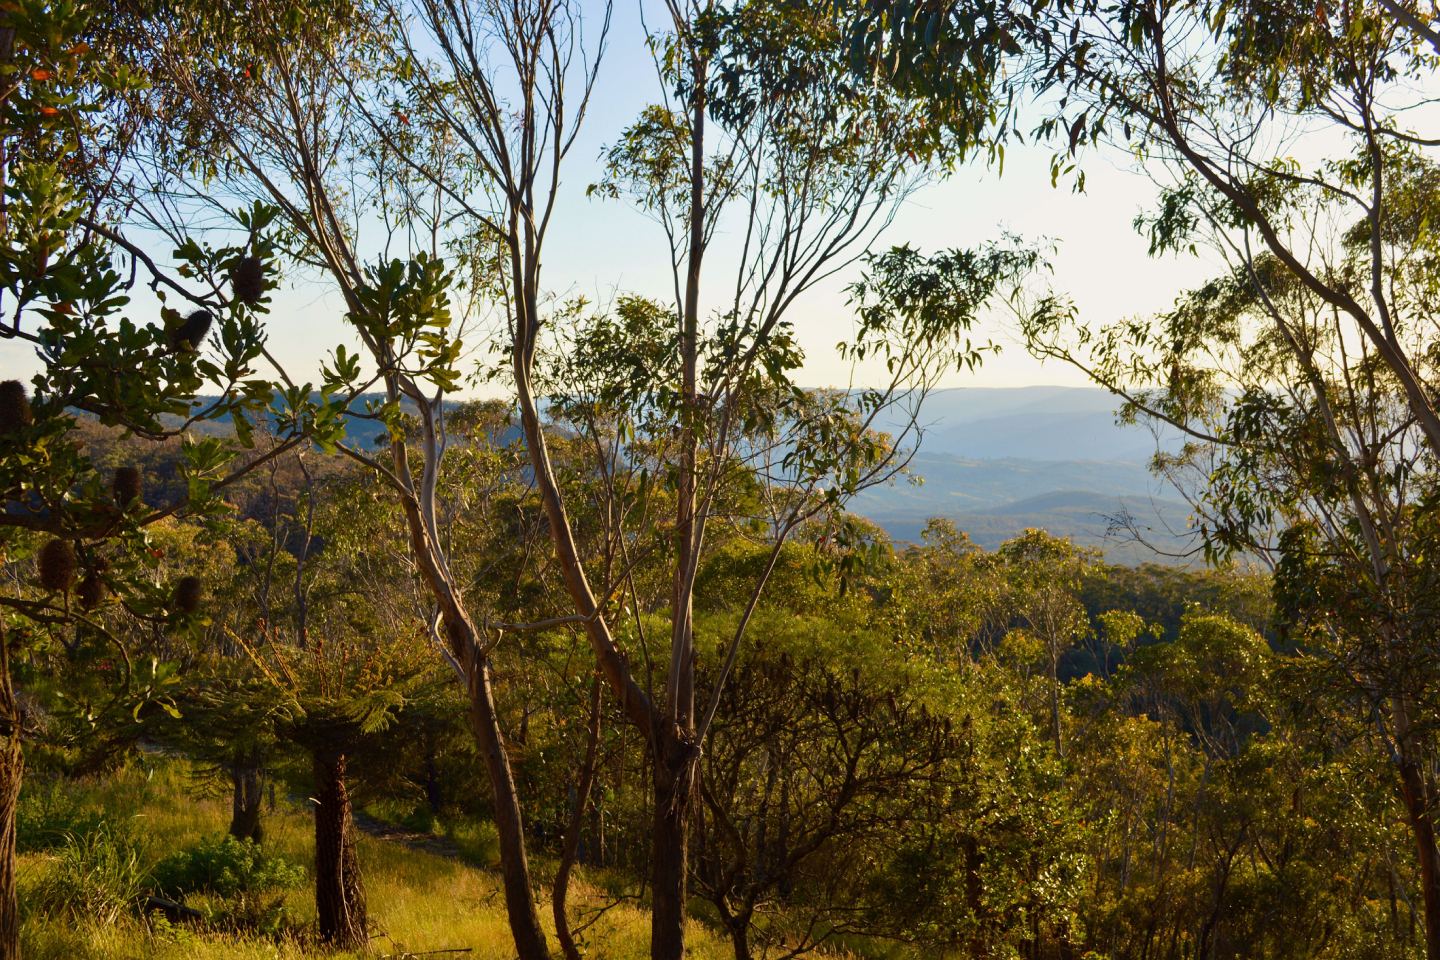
599 247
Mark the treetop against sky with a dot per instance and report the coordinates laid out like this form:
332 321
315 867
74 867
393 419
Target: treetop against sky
603 248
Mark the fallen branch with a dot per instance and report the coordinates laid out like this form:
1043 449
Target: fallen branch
174 911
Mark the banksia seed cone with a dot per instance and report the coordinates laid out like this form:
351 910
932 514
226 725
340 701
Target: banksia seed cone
57 566
191 334
247 280
15 412
187 594
91 591
126 485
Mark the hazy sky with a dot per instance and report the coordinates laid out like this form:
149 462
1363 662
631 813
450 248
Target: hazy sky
599 247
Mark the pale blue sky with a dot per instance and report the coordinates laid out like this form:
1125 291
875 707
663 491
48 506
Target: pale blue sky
599 247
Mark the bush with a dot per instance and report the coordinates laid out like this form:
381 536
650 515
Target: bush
412 816
249 916
225 866
49 817
96 875
477 841
421 820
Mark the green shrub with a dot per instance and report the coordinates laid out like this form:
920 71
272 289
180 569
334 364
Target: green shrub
251 916
96 876
48 816
225 866
477 841
401 813
420 819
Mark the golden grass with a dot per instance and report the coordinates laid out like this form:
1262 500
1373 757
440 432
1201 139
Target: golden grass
418 901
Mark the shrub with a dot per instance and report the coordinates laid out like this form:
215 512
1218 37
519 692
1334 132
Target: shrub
477 841
420 819
412 816
48 817
225 866
96 875
254 916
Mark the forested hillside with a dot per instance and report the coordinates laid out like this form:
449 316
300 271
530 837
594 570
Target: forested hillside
373 587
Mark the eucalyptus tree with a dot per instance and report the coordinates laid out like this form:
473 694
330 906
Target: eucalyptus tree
778 461
828 748
759 121
482 115
1234 108
1304 450
494 141
303 107
1043 577
1285 139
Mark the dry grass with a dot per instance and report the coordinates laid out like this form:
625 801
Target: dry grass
418 901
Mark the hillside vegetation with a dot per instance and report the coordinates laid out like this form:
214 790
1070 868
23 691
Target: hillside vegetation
422 534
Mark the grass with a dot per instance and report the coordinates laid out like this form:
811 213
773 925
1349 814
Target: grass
418 900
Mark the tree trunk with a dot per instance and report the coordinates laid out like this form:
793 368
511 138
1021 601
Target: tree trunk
339 895
740 939
12 767
570 849
1417 796
509 825
674 760
737 924
1055 729
474 668
246 796
433 796
670 846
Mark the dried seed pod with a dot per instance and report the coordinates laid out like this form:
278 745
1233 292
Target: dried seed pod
126 485
247 280
187 594
57 566
191 334
15 412
91 591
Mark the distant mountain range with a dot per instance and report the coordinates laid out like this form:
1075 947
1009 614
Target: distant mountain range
997 461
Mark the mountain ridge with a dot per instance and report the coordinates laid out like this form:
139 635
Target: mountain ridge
999 460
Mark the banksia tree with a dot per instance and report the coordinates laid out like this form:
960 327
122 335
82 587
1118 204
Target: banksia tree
57 566
15 412
247 280
126 485
64 290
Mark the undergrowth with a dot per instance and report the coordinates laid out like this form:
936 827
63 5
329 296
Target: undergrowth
95 849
